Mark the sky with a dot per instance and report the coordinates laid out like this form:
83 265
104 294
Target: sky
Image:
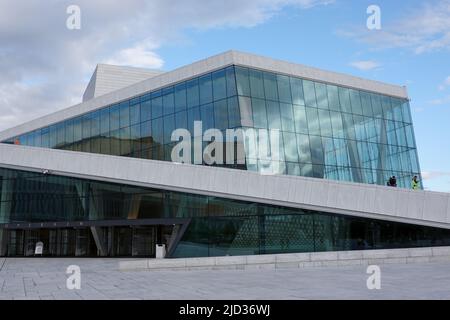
44 66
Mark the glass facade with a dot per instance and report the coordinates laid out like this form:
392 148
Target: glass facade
217 226
327 131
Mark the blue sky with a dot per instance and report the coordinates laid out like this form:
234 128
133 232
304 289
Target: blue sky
44 63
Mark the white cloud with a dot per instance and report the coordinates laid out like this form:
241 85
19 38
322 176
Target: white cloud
365 65
141 55
440 101
423 29
430 175
35 43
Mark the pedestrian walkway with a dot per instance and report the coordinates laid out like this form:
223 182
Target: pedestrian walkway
43 278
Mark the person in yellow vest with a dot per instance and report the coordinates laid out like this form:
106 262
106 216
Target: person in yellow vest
415 183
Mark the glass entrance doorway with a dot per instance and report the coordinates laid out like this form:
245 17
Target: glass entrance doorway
115 241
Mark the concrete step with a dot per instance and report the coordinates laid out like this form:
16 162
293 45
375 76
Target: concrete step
292 260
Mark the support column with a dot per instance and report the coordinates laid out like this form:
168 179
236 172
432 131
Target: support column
97 234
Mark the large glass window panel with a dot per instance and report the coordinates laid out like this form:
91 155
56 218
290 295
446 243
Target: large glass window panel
329 151
114 117
38 137
349 128
273 114
157 132
336 124
234 119
205 84
321 94
125 143
86 127
231 82
401 136
207 116
146 135
376 105
313 121
342 155
333 97
406 161
287 117
325 123
409 136
290 147
124 115
77 129
135 137
317 154
169 127
193 115
256 83
157 107
284 89
259 113
360 128
52 136
344 99
301 125
115 142
242 81
69 131
221 114
371 131
193 93
45 141
181 120
355 101
104 121
366 104
364 154
310 93
95 124
293 168
270 86
303 147
180 97
219 85
146 110
246 113
414 161
406 112
391 136
297 91
60 135
168 103
387 108
397 109
135 114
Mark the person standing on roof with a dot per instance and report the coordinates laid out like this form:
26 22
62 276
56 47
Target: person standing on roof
415 183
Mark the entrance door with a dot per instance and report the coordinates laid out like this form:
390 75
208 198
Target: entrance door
31 238
15 243
144 241
122 241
